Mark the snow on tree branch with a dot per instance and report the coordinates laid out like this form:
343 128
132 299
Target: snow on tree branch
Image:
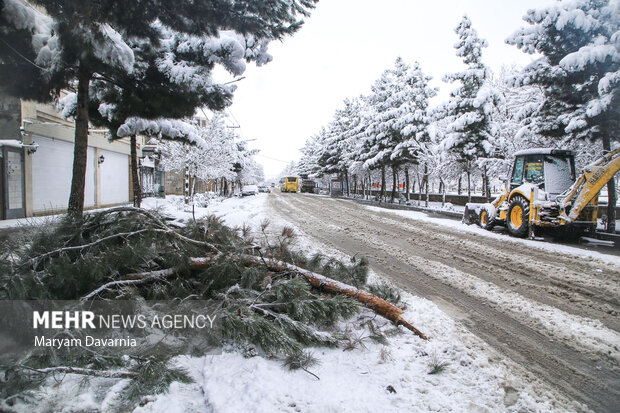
161 128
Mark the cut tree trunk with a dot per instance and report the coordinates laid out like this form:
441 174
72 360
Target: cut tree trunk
378 305
137 190
80 145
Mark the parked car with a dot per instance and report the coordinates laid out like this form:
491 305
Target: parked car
249 190
264 188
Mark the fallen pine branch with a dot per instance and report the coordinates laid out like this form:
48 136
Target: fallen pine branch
78 370
149 276
161 225
140 278
378 305
33 261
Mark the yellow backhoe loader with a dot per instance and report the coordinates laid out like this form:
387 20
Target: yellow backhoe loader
544 192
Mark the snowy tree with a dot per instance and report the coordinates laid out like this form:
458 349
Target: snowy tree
289 170
247 170
252 172
82 41
414 118
377 146
471 131
154 90
335 156
308 164
213 155
579 72
392 105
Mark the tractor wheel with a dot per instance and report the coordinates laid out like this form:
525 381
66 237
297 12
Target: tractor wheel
485 221
518 216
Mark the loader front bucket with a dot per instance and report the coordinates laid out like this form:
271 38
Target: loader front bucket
471 213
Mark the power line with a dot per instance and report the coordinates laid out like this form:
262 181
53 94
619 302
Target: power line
235 119
22 56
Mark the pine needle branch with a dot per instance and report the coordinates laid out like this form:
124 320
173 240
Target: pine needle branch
161 225
35 260
380 306
139 278
118 374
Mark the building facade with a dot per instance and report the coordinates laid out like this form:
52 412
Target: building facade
37 162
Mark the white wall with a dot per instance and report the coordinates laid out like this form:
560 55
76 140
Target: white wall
52 169
114 178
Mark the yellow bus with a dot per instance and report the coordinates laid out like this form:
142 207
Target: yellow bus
291 184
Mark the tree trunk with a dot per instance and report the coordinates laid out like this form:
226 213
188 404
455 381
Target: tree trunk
80 146
407 183
394 183
611 192
468 186
485 184
443 193
426 184
186 177
137 190
355 185
420 186
382 184
346 180
459 187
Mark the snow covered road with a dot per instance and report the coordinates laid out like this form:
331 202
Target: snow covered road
553 310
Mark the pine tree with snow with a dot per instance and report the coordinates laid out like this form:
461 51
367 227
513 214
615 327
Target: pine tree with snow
397 103
471 132
376 147
337 140
82 41
413 115
308 163
579 72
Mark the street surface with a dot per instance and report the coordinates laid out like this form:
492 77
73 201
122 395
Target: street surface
555 314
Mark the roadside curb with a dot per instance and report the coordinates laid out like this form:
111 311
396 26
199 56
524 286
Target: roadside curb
387 205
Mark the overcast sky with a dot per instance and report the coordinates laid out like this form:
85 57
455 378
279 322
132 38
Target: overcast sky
344 47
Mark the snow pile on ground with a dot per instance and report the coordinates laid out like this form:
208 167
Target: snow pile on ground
474 378
396 376
566 249
371 377
236 211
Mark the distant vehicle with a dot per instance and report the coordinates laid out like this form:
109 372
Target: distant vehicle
291 184
249 190
264 188
308 185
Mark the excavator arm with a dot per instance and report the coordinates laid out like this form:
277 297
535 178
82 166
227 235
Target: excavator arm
593 178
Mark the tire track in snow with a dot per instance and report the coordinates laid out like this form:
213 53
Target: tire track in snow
411 252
